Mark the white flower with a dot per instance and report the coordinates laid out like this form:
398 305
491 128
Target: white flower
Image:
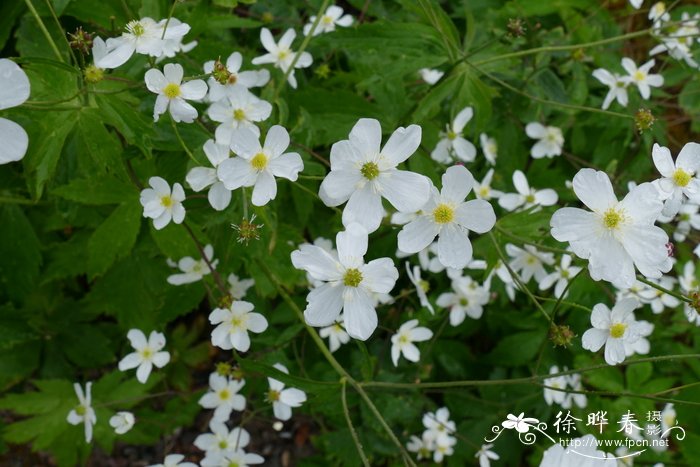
553 384
348 283
238 458
550 140
223 396
362 174
438 424
335 334
230 76
659 300
161 204
257 166
636 4
193 270
422 286
690 283
658 13
526 196
402 341
443 447
430 76
486 455
452 143
490 148
528 262
233 326
281 55
122 422
84 412
668 417
616 236
680 178
171 46
173 94
331 18
422 446
240 109
677 40
200 178
483 189
561 276
641 346
574 381
688 218
466 299
14 91
174 460
221 441
612 329
147 353
284 399
239 287
143 36
448 215
617 85
641 77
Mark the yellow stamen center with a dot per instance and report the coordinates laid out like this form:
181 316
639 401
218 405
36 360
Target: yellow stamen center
443 214
239 115
451 135
146 353
326 19
681 177
639 76
403 339
283 54
463 301
259 161
166 201
223 444
135 28
530 198
370 170
224 394
352 277
81 410
171 90
425 285
612 218
273 395
617 330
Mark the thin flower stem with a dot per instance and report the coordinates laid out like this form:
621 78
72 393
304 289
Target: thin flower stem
45 31
336 366
525 241
53 102
244 200
63 34
353 432
167 21
517 279
182 142
664 289
217 277
302 48
524 380
563 302
563 294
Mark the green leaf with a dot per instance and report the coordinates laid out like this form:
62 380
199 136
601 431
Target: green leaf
101 145
638 374
517 349
132 124
114 238
20 255
98 190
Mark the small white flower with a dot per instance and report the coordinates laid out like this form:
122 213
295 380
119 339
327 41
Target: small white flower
421 285
658 13
612 329
423 446
284 399
173 45
148 353
257 165
84 412
617 235
690 283
641 346
233 326
438 424
528 262
526 196
221 441
680 178
362 174
452 143
193 270
552 394
143 36
238 458
239 287
641 77
447 215
329 20
430 76
466 299
348 284
173 94
223 397
335 334
232 77
636 4
486 455
657 299
574 382
200 178
161 204
668 417
122 422
402 341
617 85
14 91
280 54
174 460
483 189
550 140
688 218
560 276
443 447
490 148
240 109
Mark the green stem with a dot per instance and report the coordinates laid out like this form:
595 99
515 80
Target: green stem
182 142
45 31
623 394
63 34
167 21
563 302
353 432
664 289
525 241
525 380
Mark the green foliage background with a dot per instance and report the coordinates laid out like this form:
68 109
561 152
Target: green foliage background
79 266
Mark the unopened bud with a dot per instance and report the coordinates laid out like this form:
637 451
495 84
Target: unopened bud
516 27
93 74
561 335
223 368
644 120
220 72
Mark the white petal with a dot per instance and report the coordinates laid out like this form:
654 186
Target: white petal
219 196
360 315
417 235
462 118
402 143
476 215
14 85
454 247
366 135
406 191
325 303
14 141
593 339
365 208
457 182
286 166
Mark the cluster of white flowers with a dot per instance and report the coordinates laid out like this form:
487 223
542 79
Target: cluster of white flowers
639 76
437 440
